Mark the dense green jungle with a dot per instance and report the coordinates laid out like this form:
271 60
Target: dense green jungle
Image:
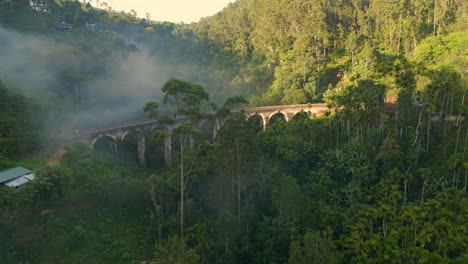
359 184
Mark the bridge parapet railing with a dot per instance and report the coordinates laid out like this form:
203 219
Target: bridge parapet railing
306 107
281 107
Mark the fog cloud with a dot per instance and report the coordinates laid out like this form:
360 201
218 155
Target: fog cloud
34 65
91 87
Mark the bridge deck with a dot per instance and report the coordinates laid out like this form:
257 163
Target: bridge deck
123 126
282 107
388 107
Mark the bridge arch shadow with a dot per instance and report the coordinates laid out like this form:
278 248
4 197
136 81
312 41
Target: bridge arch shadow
301 115
129 144
207 127
105 142
130 133
277 117
256 122
156 141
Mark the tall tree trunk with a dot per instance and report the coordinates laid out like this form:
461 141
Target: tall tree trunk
434 23
157 209
417 128
451 104
238 179
406 235
337 137
182 180
415 233
404 195
466 174
444 138
459 122
399 34
454 176
458 133
395 201
428 130
422 194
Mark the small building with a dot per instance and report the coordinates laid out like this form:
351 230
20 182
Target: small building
15 177
64 27
39 5
90 27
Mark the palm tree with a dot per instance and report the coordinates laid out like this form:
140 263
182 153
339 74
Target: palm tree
425 174
173 251
406 178
455 163
430 110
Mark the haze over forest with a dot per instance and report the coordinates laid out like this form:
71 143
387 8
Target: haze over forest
380 176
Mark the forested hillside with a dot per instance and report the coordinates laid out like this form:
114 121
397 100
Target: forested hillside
76 60
366 182
296 50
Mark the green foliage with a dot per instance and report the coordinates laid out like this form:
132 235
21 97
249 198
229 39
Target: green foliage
288 200
152 109
173 251
31 163
87 208
187 97
357 185
235 101
19 128
313 249
77 235
283 37
436 49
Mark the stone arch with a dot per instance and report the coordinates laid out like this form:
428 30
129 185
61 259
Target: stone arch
164 128
208 128
175 140
103 135
295 115
122 138
285 116
134 149
158 154
274 117
263 119
125 134
203 122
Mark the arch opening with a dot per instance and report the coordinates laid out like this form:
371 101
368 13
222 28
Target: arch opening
175 143
175 140
277 118
129 145
105 144
155 151
255 123
301 116
207 128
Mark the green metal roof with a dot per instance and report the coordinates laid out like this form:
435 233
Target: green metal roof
12 173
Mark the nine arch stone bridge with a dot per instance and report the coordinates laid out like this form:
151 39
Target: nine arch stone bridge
285 111
118 133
